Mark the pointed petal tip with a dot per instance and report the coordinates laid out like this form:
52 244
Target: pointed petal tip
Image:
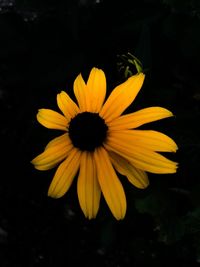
39 111
173 169
42 110
96 68
144 185
34 161
41 168
54 195
38 166
50 194
119 214
79 76
90 216
120 217
139 75
61 93
175 148
167 112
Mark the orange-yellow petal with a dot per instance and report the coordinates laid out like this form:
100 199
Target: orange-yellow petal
54 153
62 139
96 85
65 174
138 118
67 105
110 185
148 139
52 119
88 186
121 97
82 94
142 158
135 176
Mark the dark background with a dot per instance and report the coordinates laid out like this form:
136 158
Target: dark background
43 47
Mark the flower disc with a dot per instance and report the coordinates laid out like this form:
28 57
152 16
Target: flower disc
87 131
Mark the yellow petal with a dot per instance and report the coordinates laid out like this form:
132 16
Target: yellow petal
54 153
110 185
148 139
142 158
138 118
88 187
96 85
121 97
52 119
62 139
65 174
67 105
82 94
137 177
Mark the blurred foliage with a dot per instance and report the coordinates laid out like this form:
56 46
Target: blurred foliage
191 7
44 45
127 65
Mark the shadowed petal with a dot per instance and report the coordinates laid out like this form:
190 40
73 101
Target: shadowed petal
110 185
88 187
142 158
96 85
67 105
62 139
121 97
52 119
57 150
82 94
148 139
138 118
65 174
137 177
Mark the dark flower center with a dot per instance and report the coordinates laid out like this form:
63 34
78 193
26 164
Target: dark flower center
87 131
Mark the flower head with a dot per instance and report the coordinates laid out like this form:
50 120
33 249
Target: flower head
98 141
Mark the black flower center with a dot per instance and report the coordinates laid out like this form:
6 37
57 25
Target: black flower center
87 131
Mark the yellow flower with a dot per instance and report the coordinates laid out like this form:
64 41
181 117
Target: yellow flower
98 141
